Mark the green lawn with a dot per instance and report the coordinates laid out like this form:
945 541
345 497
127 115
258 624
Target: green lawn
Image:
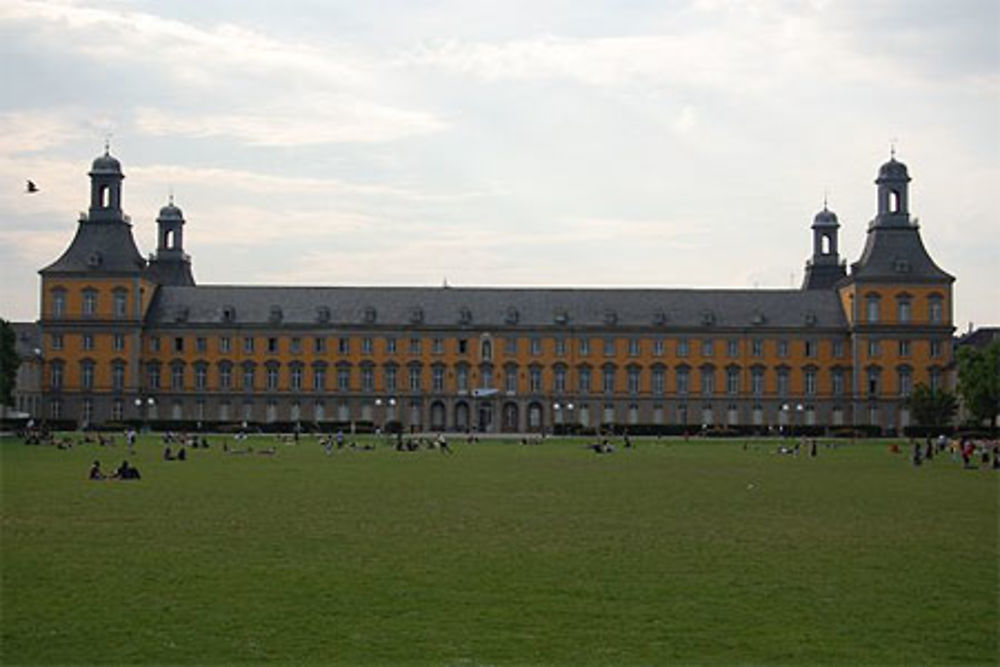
499 554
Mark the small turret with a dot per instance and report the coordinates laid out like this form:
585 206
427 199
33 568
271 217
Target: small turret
171 265
825 267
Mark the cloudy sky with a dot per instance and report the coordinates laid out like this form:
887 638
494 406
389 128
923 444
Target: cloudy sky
547 143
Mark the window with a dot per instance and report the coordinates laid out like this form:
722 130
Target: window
810 348
874 374
118 376
683 381
935 379
295 347
838 348
633 347
609 346
343 378
200 377
437 345
367 378
510 345
584 346
89 302
936 349
658 381
707 347
463 346
783 382
56 377
905 314
117 409
782 348
248 345
462 377
390 378
248 377
414 346
201 344
118 342
153 376
437 379
225 344
343 346
732 381
59 303
88 341
559 380
733 348
757 347
535 381
178 343
390 345
272 377
682 347
415 378
120 301
510 379
536 346
633 380
295 377
560 347
707 381
905 381
757 381
272 345
486 377
319 345
608 380
904 348
837 382
225 376
874 348
872 308
367 345
57 341
658 347
935 310
177 376
584 380
810 382
486 350
319 378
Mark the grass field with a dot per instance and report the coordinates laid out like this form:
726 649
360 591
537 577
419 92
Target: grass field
501 553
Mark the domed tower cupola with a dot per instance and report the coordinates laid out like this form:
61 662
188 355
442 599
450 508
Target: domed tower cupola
170 265
893 196
106 189
825 267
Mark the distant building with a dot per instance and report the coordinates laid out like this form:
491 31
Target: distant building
125 338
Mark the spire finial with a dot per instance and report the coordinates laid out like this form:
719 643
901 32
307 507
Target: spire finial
171 195
107 143
892 148
826 193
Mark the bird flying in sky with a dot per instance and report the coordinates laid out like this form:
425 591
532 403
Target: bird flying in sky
30 188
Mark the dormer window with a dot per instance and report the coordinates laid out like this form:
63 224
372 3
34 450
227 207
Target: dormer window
322 314
561 317
416 315
181 314
276 315
464 316
228 314
659 318
512 315
94 259
810 319
370 315
707 318
610 317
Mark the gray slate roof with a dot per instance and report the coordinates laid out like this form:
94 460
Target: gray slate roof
898 254
101 247
444 307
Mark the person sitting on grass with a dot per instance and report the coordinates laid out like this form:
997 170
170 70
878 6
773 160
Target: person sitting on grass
182 454
95 471
125 471
167 454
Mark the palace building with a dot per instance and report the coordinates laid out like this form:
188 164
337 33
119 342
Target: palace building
125 339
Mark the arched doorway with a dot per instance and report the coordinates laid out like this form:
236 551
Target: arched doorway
485 423
535 423
437 416
461 416
509 422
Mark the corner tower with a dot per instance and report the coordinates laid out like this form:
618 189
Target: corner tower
825 268
171 265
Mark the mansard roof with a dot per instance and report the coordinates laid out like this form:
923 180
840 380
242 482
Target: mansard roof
475 307
100 247
897 254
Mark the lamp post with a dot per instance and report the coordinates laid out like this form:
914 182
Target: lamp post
143 408
799 408
785 410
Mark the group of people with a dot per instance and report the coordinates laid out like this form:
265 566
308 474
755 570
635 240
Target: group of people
124 472
972 453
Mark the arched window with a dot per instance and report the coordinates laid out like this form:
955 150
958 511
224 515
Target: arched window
104 196
894 201
825 244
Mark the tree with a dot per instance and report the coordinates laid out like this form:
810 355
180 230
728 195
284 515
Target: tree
979 381
932 407
9 361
